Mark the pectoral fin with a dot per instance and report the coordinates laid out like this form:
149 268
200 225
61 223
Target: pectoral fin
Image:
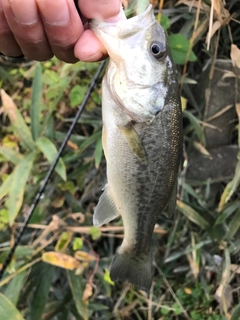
105 210
130 135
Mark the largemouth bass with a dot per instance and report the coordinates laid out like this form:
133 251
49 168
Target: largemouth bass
142 138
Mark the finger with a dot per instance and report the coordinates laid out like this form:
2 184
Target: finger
8 44
89 48
25 23
63 27
100 9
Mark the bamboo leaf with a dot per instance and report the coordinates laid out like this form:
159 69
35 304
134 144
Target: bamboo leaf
17 121
40 297
11 155
98 152
60 259
77 288
50 152
6 186
192 215
35 110
8 310
236 313
20 177
13 289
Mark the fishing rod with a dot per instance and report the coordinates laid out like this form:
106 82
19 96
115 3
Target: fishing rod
50 171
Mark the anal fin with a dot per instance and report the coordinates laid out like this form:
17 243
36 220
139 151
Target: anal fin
105 210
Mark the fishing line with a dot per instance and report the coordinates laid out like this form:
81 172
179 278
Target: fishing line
50 171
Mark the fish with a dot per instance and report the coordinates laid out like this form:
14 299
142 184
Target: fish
141 137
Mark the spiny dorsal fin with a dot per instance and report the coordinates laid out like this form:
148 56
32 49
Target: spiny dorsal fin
105 210
130 135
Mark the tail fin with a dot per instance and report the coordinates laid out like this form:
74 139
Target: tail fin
135 270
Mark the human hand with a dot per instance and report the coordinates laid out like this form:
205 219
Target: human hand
40 29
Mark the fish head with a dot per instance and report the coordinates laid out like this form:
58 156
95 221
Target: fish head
142 71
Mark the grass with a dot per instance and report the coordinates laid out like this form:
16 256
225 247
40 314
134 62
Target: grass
60 270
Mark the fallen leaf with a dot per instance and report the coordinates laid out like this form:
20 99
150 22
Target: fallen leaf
61 260
87 293
235 56
84 256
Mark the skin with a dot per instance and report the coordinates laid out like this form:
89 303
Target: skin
40 29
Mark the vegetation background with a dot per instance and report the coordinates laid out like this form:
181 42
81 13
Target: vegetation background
60 269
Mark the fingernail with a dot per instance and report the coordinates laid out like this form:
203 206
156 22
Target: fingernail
24 11
55 12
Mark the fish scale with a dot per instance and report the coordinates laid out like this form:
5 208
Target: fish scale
142 139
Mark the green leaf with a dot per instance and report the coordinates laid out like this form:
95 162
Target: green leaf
20 177
227 212
4 218
50 152
236 313
192 215
180 46
98 152
230 188
234 226
63 241
165 22
11 155
95 233
17 121
77 244
35 110
107 277
14 287
8 310
77 94
40 296
196 126
77 288
6 186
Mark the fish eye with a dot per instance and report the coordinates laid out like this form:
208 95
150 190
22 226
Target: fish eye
157 49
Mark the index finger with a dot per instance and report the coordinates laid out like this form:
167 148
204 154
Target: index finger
88 47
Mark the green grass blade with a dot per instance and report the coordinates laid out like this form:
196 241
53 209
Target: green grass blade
234 226
98 152
50 151
13 289
192 215
35 110
19 125
236 313
20 177
230 188
77 288
8 310
196 126
6 186
11 155
40 297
